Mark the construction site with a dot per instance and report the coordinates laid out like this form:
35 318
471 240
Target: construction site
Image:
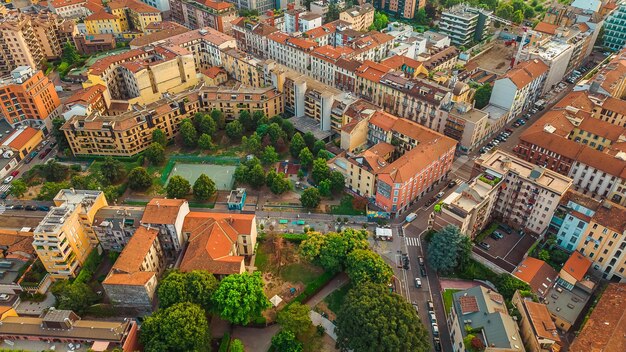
498 58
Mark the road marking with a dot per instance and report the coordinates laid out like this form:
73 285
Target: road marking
412 241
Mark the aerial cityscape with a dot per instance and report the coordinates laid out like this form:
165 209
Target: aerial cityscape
317 175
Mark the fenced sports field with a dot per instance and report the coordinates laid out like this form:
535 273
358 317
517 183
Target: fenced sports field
221 171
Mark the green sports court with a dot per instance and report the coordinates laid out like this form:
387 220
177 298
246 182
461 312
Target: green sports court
222 175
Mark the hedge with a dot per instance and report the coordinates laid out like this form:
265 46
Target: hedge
295 237
314 287
225 344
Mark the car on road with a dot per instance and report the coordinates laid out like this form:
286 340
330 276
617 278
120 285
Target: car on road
508 130
8 180
405 262
516 124
45 153
440 194
30 208
423 271
420 261
27 160
418 282
430 305
451 184
435 330
484 245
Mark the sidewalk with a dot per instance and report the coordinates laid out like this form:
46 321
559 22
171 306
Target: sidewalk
317 319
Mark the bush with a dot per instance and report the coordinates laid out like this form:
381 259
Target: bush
89 267
225 343
314 287
295 237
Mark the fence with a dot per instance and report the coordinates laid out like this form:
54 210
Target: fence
216 160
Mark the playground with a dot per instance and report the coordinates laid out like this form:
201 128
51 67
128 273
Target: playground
222 175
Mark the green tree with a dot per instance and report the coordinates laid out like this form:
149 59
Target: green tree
295 318
317 146
448 249
59 135
204 123
70 54
252 144
76 296
53 171
482 96
325 188
323 154
337 182
112 170
139 179
155 153
269 155
195 287
331 250
234 130
277 183
507 285
544 255
179 328
18 188
288 128
205 142
246 120
188 133
50 189
275 133
505 11
236 346
285 341
306 157
310 198
240 298
309 139
363 322
421 18
380 21
204 188
296 145
518 5
321 171
333 12
529 13
364 265
218 117
177 187
256 176
158 136
518 16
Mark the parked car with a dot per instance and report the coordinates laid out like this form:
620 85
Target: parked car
8 180
43 208
435 330
496 235
440 194
430 305
18 207
516 124
437 343
15 173
405 262
433 318
451 184
423 271
30 208
418 282
420 260
416 308
508 130
4 195
484 245
27 160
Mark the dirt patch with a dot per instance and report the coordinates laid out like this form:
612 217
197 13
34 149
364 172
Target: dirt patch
498 58
323 309
328 344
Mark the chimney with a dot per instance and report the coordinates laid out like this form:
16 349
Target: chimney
157 204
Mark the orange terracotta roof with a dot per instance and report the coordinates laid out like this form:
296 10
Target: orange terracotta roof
214 71
606 327
398 61
372 71
541 321
213 241
613 217
88 95
100 16
62 3
526 72
158 36
135 251
332 54
537 273
162 211
137 278
217 5
135 5
20 137
602 129
579 100
545 27
101 65
577 266
615 105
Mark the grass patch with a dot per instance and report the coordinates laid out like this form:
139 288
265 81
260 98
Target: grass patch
314 287
262 259
447 299
335 299
346 207
301 272
486 232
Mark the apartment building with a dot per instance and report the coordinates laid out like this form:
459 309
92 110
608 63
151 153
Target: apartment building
29 39
614 29
218 15
94 43
528 194
64 238
74 8
87 100
252 36
360 17
484 312
557 55
125 19
426 159
167 215
132 281
469 126
292 52
536 326
519 89
465 24
571 219
218 242
611 79
115 225
233 100
603 330
399 8
245 68
299 20
28 98
260 5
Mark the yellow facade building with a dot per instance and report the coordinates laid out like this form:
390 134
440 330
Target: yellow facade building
64 238
124 18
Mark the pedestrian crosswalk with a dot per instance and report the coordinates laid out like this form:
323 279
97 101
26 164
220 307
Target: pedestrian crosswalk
412 241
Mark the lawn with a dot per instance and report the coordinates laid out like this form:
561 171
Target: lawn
346 207
447 299
335 299
262 259
300 272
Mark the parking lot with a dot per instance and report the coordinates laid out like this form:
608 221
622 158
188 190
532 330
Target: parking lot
508 251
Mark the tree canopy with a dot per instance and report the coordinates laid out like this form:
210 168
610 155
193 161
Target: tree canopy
76 296
363 265
372 319
139 179
483 95
277 183
306 157
310 198
448 248
295 318
240 298
188 133
18 188
177 187
234 130
158 136
321 170
204 187
285 341
180 328
331 250
195 287
155 153
205 142
269 155
296 145
380 21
